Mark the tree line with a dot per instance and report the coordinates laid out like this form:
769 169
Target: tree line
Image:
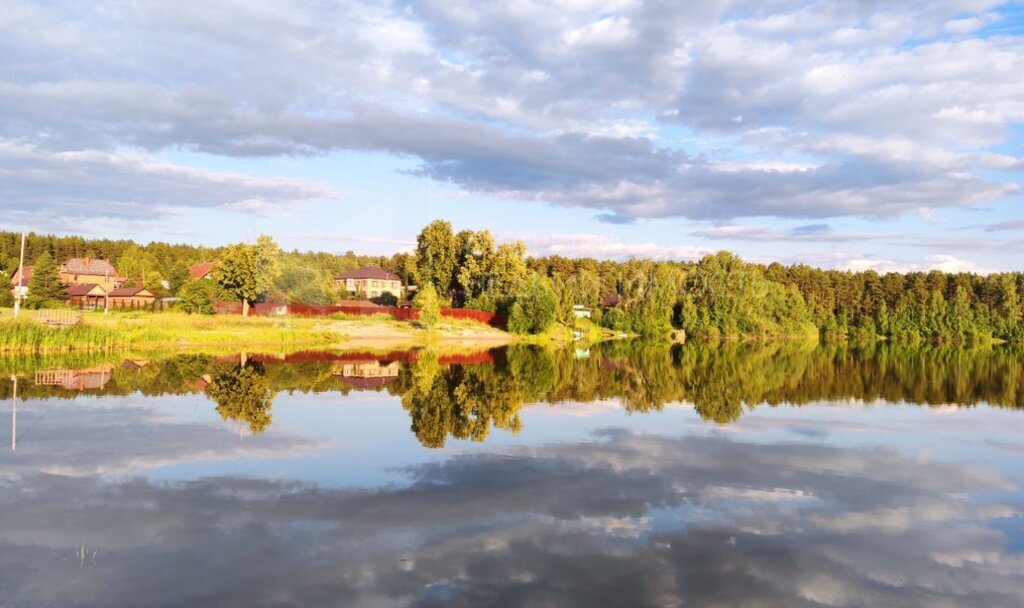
718 296
722 380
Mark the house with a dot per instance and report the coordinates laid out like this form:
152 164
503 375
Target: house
580 311
131 297
86 295
370 282
201 270
89 270
21 280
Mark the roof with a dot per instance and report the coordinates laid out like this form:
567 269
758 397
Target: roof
83 289
127 292
22 281
200 270
89 266
612 299
369 272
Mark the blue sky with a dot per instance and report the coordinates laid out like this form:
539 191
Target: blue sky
848 135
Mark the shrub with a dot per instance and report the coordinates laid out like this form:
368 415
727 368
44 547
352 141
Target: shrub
429 305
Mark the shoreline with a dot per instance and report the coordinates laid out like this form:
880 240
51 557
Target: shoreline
116 332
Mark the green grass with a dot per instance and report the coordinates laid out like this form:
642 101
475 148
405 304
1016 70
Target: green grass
146 330
105 333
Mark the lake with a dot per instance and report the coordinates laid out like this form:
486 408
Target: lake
623 474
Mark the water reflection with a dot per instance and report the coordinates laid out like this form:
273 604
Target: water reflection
783 510
631 520
465 396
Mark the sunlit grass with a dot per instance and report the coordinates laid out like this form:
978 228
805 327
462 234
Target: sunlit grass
122 331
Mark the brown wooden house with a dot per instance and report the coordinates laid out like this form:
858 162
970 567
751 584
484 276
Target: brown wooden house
131 297
86 295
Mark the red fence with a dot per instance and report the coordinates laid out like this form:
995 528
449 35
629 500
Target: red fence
400 313
403 356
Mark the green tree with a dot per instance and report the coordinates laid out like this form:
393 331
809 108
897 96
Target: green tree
535 308
197 296
429 304
44 283
248 271
178 277
437 251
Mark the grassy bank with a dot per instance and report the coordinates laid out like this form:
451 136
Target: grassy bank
124 331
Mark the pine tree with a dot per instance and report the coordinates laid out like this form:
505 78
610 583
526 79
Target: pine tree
45 281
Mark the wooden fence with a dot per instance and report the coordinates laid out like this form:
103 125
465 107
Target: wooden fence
59 317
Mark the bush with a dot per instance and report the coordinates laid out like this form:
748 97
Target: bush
429 305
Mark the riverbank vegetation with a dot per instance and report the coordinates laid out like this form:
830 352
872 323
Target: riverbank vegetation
119 331
719 296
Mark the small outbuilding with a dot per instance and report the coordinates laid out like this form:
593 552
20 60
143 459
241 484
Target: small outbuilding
85 295
131 297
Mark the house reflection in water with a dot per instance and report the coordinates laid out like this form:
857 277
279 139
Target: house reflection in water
93 378
367 374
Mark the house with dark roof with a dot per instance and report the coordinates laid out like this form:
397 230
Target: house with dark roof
201 270
131 297
90 270
86 295
370 282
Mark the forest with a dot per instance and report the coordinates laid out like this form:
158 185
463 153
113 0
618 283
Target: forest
718 296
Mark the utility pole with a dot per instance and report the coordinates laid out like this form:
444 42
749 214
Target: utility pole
18 289
14 415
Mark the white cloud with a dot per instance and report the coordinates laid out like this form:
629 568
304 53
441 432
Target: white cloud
808 110
602 247
66 186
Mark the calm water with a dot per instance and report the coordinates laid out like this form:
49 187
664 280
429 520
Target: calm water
621 475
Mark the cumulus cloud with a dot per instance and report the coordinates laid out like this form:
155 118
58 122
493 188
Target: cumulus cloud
876 111
943 261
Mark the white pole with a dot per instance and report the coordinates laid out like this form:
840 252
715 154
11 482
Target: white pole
14 416
21 276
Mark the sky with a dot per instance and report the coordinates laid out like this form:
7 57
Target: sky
840 134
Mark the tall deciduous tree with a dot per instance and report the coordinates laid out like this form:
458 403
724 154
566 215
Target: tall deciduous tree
535 309
436 257
248 271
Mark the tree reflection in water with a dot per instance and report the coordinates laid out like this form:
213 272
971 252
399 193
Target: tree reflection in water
242 393
465 401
